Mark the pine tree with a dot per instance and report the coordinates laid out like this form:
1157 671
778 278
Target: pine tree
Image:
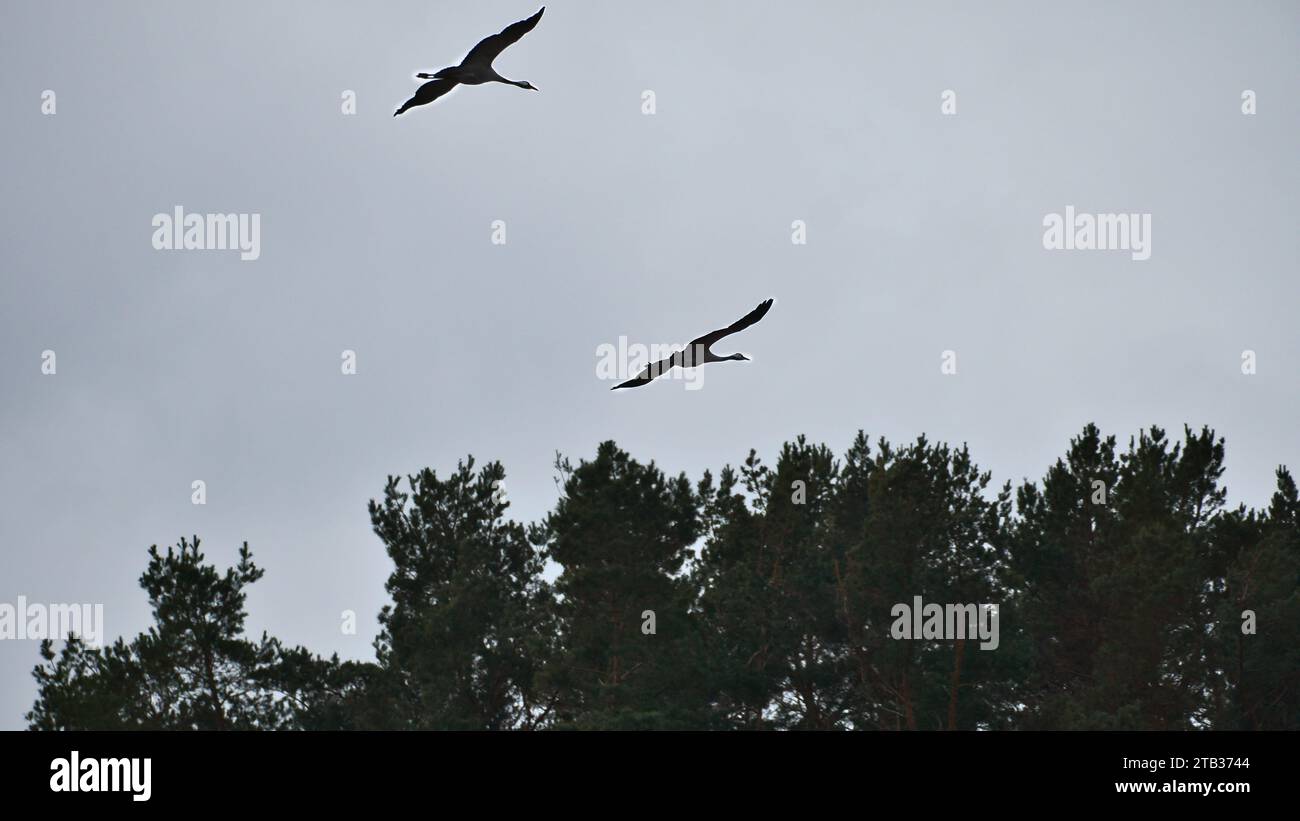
768 581
1064 532
622 533
931 530
1255 653
472 621
1117 589
193 670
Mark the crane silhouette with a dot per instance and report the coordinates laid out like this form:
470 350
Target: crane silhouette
476 68
698 352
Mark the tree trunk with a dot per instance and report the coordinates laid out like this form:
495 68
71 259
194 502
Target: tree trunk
218 714
908 712
958 649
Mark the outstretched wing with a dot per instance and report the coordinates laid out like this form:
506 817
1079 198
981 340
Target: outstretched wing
427 93
739 325
489 47
648 374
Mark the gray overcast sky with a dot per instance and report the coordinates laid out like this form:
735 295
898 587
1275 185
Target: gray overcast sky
924 235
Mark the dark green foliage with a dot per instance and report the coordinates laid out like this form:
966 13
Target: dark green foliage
1123 601
1129 598
1255 679
193 669
622 532
768 578
472 623
931 530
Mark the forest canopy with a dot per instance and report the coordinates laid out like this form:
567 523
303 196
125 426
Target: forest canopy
1128 596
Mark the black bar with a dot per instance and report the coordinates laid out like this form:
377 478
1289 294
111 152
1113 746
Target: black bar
331 770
